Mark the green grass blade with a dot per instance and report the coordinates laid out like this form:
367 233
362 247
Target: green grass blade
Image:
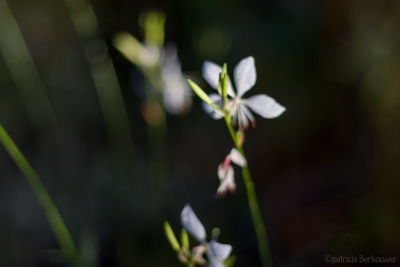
56 222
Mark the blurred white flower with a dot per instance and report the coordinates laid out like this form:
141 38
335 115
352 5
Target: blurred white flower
226 173
161 66
177 95
192 224
216 252
238 107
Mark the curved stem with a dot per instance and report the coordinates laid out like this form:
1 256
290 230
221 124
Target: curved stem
259 227
53 216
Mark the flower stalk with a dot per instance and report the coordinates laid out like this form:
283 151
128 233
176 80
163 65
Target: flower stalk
259 226
235 109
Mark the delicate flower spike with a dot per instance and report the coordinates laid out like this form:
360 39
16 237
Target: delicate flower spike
239 108
217 253
192 224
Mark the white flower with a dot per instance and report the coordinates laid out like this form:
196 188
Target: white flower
216 252
245 78
226 173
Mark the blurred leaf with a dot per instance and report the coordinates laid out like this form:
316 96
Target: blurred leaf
171 237
185 240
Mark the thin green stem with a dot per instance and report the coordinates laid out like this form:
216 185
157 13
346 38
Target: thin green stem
231 130
258 223
56 222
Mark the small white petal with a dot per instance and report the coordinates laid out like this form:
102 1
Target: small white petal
237 158
210 110
192 224
217 253
213 261
221 172
221 251
211 73
264 106
245 75
227 180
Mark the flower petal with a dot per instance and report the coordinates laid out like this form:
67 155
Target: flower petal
221 251
176 101
265 106
217 253
192 224
227 180
177 96
210 110
211 73
213 261
245 75
237 158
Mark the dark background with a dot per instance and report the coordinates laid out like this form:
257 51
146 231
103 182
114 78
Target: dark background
326 171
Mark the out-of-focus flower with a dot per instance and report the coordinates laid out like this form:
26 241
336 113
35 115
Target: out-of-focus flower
216 252
226 173
145 56
238 107
160 66
176 92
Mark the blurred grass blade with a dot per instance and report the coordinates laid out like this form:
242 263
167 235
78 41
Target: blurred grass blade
104 78
112 105
56 222
24 72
